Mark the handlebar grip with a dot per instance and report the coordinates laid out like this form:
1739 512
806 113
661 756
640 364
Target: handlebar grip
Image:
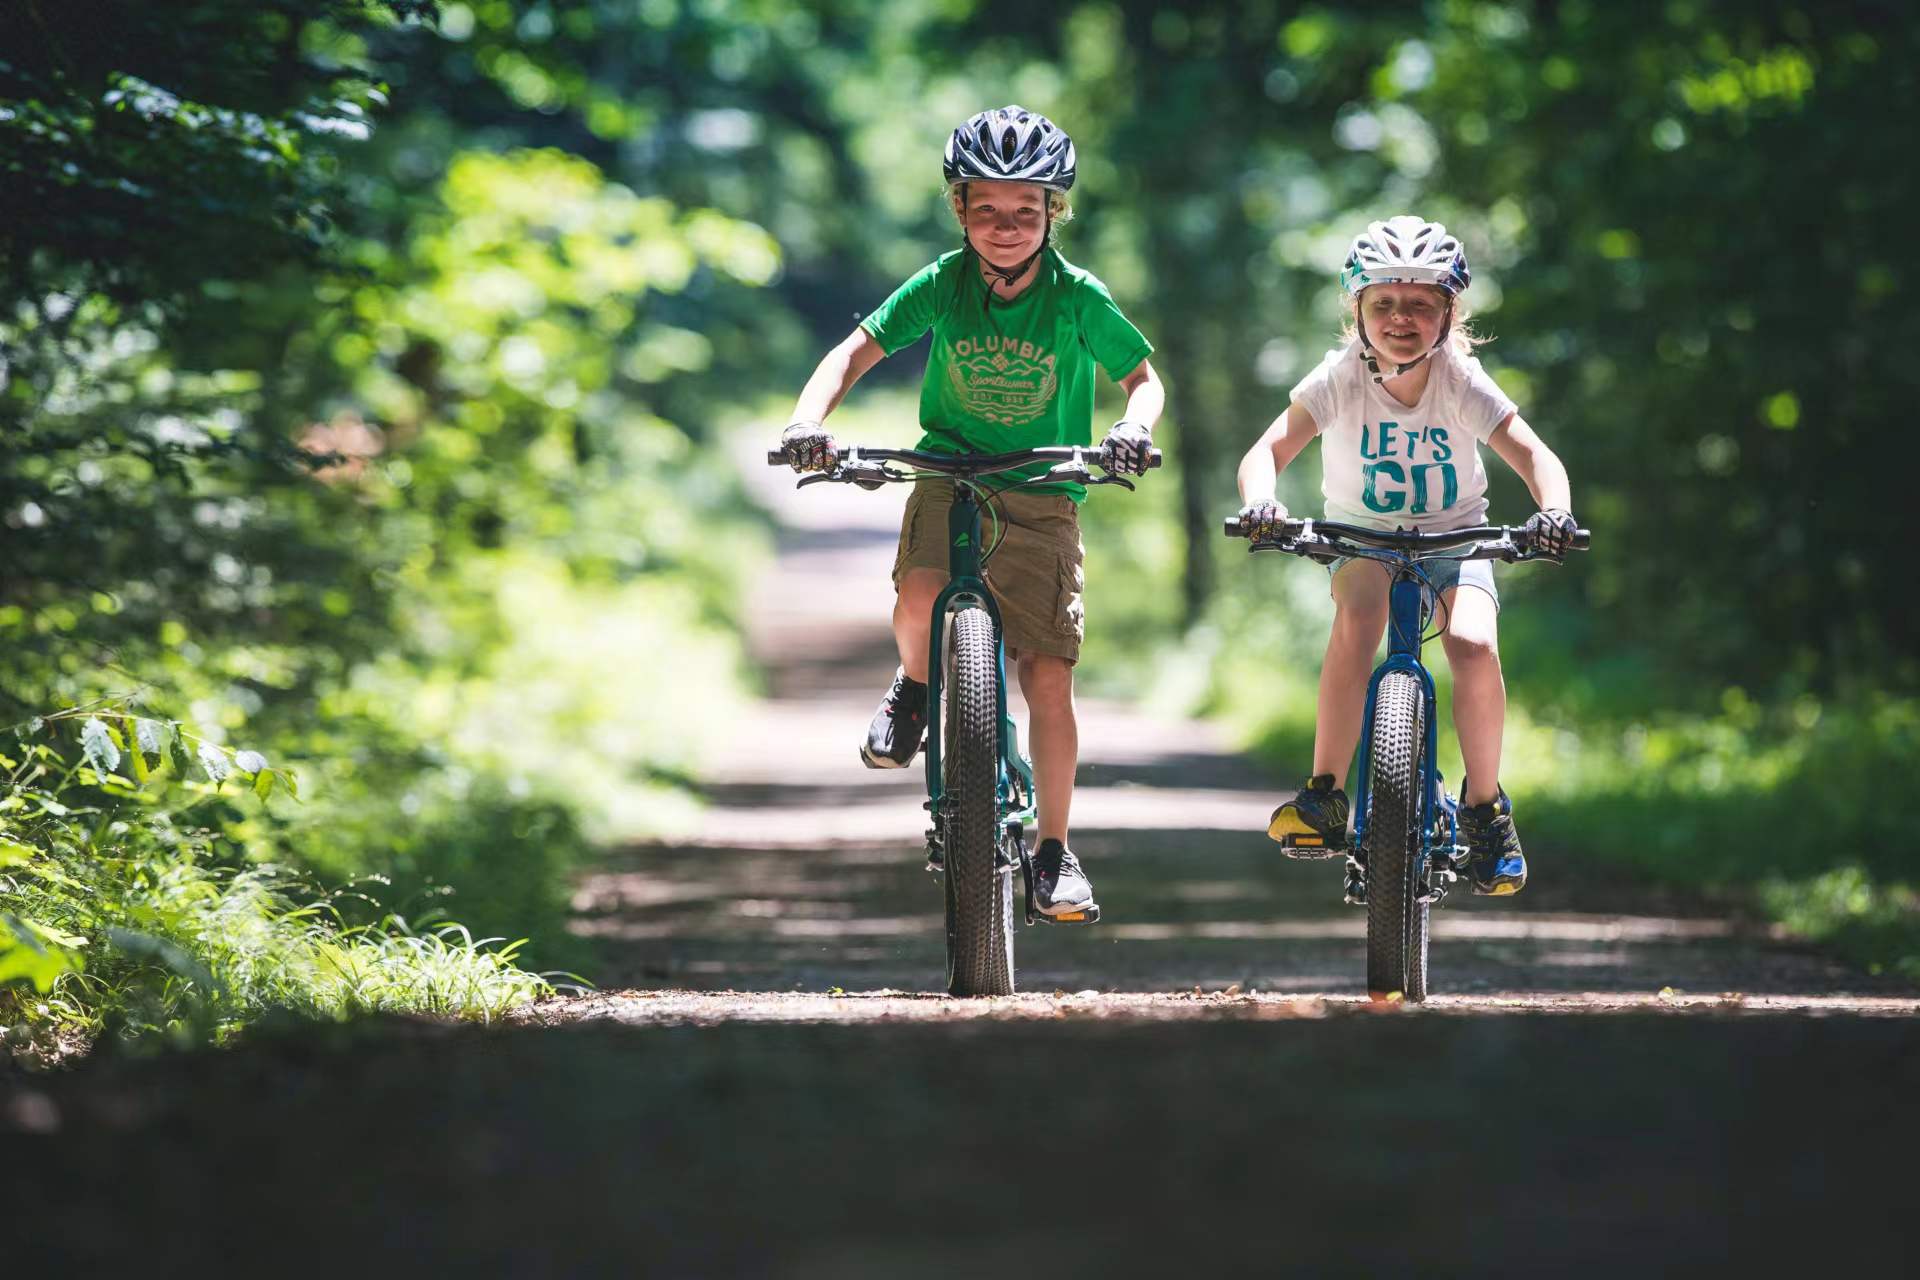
776 457
1153 459
1581 537
1232 528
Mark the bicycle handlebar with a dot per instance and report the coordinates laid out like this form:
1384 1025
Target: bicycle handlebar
1326 534
959 464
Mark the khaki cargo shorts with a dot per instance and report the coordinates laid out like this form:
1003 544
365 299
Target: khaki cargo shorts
1035 574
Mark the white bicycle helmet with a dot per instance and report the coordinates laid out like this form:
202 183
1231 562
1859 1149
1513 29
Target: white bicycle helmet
1405 250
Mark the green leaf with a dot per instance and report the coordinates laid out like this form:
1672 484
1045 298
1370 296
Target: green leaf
13 853
263 783
25 953
250 762
214 761
177 754
97 743
137 755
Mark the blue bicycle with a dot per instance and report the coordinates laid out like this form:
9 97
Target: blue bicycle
1406 846
979 786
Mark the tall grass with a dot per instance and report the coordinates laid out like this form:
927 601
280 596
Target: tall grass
125 914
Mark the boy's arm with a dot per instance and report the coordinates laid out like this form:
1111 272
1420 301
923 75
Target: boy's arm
1146 395
1523 450
1280 444
809 445
835 375
1129 442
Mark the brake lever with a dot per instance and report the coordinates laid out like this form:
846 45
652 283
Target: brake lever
1122 481
818 477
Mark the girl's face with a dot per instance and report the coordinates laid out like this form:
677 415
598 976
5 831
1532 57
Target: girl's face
1006 221
1403 320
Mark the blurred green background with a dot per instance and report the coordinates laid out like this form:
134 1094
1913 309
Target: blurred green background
365 367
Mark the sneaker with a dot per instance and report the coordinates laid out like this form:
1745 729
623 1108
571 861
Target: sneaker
1059 885
1319 810
897 727
1494 861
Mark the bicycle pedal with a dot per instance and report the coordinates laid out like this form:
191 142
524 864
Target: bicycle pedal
1311 848
1091 915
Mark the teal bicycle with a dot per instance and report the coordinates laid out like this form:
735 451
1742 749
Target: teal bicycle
980 791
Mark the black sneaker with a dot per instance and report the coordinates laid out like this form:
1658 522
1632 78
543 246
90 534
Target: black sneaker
1060 887
1494 861
897 727
1316 817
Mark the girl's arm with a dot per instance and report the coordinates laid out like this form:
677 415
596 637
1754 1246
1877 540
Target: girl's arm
838 370
1146 395
1520 448
1279 445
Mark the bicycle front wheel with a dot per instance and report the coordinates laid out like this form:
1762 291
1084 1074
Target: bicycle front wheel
979 891
1396 914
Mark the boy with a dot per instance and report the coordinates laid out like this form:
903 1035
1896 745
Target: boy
1017 332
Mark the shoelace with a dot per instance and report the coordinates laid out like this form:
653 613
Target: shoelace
1059 867
1495 833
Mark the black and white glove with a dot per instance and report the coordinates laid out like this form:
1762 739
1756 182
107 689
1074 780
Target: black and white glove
1550 533
1266 521
809 447
1127 448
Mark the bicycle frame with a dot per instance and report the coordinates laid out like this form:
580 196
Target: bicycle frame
966 588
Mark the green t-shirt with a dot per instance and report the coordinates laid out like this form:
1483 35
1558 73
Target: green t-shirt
1015 377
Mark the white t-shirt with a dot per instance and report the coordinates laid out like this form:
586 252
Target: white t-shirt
1387 465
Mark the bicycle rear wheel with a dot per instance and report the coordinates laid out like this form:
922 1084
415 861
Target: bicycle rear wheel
979 891
1396 915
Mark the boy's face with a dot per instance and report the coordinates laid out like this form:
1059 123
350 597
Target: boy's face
1403 320
1006 220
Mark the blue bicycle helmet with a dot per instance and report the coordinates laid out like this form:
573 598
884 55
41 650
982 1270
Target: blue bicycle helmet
1011 144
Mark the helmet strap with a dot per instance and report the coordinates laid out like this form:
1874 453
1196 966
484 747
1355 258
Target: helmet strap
1007 275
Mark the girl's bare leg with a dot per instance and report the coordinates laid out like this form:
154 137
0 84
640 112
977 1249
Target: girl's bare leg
1472 641
1359 620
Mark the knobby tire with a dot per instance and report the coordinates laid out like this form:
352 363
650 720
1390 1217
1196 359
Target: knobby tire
979 893
1396 915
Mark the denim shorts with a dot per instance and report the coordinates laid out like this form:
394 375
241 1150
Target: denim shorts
1444 574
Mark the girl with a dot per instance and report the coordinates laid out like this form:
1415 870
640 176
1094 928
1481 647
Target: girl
1402 409
1017 333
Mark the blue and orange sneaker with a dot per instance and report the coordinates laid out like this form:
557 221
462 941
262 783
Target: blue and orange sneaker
1314 822
1494 861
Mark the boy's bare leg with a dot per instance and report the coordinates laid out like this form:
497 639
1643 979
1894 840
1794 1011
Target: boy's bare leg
1479 689
1359 620
1047 682
913 618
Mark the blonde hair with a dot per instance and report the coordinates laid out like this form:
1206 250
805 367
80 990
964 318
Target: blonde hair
1059 208
1461 338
